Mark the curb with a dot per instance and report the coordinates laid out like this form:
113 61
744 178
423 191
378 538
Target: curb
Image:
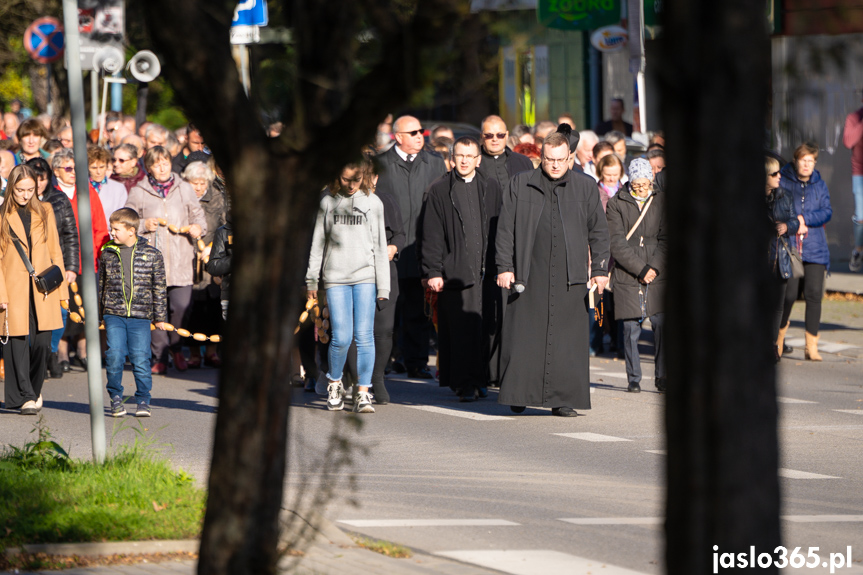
321 530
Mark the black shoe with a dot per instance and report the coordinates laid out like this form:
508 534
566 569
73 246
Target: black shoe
483 392
634 388
468 395
420 373
309 384
398 367
517 408
82 362
564 412
65 366
54 369
661 384
380 393
786 349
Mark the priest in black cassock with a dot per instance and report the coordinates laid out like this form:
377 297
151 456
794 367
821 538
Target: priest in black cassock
551 220
457 258
498 161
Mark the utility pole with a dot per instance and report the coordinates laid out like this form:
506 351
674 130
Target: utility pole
85 223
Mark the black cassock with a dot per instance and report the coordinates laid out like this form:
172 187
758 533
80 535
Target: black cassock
544 359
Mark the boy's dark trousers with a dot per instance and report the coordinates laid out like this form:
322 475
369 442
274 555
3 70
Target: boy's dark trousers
128 336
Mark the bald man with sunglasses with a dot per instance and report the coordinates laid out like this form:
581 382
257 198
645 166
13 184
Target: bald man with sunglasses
407 170
498 161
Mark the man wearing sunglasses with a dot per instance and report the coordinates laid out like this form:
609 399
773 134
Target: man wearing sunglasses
406 171
498 161
551 219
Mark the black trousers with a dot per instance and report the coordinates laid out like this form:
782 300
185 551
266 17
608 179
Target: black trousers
414 323
813 292
462 351
179 314
780 287
385 313
26 360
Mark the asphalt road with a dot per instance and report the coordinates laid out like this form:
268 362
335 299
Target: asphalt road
518 493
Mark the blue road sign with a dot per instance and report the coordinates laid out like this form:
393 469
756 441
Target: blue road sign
44 40
251 13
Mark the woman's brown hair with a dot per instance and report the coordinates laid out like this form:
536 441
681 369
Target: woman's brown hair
607 161
364 170
19 174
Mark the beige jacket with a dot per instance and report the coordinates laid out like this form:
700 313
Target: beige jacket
181 208
16 283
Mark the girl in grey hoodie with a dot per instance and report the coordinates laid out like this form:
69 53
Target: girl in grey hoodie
349 256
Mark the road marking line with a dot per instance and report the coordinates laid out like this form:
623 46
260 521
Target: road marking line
623 375
792 400
427 522
657 451
851 411
535 562
613 520
417 381
794 474
459 413
828 346
824 518
595 437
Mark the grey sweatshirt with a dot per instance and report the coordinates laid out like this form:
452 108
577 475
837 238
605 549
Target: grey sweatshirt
350 241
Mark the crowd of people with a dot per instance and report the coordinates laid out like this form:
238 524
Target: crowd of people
158 204
517 255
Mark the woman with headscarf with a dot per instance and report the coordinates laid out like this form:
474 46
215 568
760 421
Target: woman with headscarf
636 224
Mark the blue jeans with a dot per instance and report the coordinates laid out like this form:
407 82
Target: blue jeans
57 334
857 186
352 318
128 336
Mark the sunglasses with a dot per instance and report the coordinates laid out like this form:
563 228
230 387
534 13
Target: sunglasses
413 132
499 136
68 169
121 159
774 174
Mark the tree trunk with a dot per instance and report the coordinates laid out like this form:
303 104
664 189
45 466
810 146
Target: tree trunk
275 188
721 412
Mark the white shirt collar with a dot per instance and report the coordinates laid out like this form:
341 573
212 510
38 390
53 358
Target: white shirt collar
470 179
402 154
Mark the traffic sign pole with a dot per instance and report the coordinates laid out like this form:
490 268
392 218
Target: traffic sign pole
85 221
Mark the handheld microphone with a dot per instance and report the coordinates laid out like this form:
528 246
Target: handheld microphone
517 287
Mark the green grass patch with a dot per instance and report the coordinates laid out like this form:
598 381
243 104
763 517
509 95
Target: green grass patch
49 498
384 547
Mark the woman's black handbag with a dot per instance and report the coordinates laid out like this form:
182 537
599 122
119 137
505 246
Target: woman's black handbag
48 280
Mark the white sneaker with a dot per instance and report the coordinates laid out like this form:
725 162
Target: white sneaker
363 403
39 402
29 408
856 263
335 402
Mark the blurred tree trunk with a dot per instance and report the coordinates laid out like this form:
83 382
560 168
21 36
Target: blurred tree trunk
721 413
275 186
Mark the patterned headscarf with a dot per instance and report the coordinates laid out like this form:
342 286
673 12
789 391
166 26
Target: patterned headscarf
640 168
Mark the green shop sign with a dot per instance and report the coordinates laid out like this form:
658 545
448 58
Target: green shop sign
578 14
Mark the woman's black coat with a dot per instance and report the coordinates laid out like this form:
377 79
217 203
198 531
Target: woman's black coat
646 249
780 209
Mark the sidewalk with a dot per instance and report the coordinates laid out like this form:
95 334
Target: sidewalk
845 282
841 330
332 552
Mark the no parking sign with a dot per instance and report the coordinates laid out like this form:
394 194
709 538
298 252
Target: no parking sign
44 40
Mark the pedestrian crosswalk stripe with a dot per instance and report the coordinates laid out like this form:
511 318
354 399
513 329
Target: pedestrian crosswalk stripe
826 346
613 520
792 400
851 411
824 518
794 474
535 562
657 451
595 437
428 522
411 380
459 413
623 375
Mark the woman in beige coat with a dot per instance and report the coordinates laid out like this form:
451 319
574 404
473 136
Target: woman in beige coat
171 221
27 317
